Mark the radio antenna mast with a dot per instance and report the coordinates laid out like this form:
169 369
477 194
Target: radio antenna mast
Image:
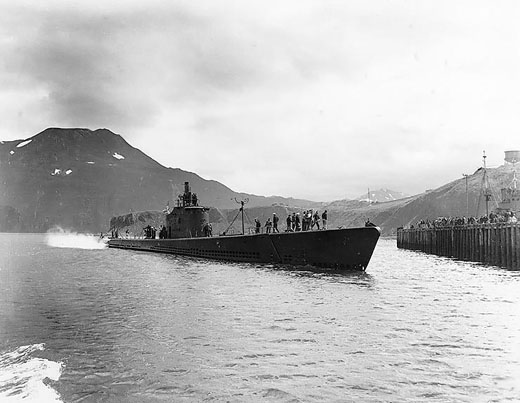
485 189
242 202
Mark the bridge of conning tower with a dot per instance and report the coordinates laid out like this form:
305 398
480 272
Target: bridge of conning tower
187 199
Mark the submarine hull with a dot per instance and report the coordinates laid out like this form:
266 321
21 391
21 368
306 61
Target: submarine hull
335 249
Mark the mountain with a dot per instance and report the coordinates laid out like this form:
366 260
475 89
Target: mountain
450 200
79 179
381 195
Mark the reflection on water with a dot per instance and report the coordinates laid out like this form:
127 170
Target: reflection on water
134 326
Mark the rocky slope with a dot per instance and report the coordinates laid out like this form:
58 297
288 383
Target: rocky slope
448 200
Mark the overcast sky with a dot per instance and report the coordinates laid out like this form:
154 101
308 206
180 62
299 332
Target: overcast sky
310 99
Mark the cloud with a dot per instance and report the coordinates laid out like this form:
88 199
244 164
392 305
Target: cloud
311 99
115 66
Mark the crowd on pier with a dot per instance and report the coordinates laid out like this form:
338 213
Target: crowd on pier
442 222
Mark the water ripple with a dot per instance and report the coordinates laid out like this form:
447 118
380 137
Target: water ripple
133 327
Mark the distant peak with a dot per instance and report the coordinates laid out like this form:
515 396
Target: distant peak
75 132
81 130
65 129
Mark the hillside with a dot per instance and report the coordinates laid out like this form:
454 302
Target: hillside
79 179
447 200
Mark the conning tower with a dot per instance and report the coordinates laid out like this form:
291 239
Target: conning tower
187 219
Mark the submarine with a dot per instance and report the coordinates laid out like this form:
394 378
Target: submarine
187 232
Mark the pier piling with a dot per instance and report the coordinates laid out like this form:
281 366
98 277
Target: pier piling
496 244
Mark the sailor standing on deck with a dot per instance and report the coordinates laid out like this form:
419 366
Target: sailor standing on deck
268 226
297 222
275 223
316 220
324 219
289 223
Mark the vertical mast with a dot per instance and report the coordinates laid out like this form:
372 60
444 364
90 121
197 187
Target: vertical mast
514 176
242 210
242 202
467 195
487 190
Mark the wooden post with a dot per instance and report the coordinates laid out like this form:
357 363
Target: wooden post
471 231
508 246
490 246
493 254
514 248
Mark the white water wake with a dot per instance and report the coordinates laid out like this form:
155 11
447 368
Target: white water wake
60 238
22 376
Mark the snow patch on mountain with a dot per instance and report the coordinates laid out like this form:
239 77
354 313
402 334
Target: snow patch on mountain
118 156
381 195
23 143
58 171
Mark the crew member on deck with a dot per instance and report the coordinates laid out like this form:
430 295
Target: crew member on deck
324 217
207 229
257 226
289 224
275 223
297 222
316 220
268 226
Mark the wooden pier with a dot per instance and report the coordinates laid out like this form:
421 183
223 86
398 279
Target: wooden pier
494 244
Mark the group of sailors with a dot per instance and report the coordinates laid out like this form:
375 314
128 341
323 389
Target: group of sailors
269 225
151 232
307 221
442 222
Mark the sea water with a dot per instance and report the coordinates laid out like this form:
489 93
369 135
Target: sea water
83 323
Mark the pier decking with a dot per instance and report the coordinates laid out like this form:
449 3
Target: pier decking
496 244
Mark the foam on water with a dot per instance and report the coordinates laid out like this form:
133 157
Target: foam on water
22 376
60 238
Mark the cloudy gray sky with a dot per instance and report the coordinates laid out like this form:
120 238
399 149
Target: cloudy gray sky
312 99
